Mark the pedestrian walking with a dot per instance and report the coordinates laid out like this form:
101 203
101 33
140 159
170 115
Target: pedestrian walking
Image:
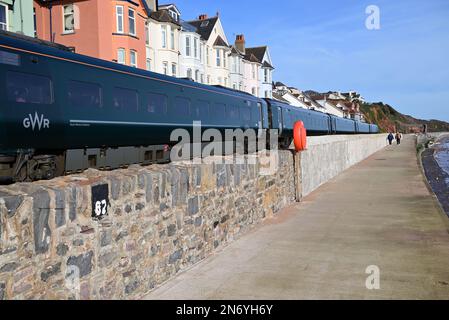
390 138
398 137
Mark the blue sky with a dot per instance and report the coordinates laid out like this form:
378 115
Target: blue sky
324 45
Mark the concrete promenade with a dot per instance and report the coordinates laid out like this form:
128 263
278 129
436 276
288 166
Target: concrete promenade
379 212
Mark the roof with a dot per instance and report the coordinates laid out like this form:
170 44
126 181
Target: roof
204 28
279 98
163 16
187 26
267 65
166 6
219 42
280 84
251 58
258 52
234 50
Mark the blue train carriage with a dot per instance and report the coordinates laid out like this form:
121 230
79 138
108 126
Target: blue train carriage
284 116
71 112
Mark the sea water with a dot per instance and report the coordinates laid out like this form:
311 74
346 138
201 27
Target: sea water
442 156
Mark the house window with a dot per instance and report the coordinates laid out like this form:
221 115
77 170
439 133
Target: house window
195 47
202 78
132 21
201 52
164 37
172 39
189 73
133 58
188 46
165 68
218 57
69 18
121 56
173 69
224 58
234 86
148 64
34 22
207 56
119 18
147 33
3 17
253 91
266 75
253 66
197 75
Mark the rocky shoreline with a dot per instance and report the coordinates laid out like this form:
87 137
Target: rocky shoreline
437 177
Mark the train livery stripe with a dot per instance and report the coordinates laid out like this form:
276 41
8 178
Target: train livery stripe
126 123
118 71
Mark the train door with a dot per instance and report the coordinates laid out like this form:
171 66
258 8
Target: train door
280 120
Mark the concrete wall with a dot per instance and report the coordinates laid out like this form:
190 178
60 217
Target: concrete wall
161 220
328 156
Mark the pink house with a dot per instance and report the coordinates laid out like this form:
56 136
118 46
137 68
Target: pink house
110 30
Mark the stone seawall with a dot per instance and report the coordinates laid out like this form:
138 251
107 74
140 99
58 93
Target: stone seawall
328 156
160 220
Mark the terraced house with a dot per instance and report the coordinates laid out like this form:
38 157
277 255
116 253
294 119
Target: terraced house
109 30
17 16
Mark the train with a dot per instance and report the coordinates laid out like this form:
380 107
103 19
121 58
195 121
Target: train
63 112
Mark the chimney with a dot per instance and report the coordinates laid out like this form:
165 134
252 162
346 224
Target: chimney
202 17
240 43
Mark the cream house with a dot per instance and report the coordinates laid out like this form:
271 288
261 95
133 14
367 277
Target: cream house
163 31
216 50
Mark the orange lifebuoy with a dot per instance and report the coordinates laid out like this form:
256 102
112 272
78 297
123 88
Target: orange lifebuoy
300 136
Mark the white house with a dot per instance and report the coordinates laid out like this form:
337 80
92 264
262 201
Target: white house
330 106
257 68
296 97
192 49
237 67
216 49
163 32
262 54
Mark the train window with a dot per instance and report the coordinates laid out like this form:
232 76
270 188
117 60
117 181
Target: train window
201 110
83 94
182 106
232 112
219 111
245 113
125 99
157 103
29 88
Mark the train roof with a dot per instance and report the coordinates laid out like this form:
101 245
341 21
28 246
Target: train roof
22 42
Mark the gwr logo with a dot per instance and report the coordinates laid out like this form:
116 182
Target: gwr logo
36 122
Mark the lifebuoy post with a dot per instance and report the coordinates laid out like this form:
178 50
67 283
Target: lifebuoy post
300 136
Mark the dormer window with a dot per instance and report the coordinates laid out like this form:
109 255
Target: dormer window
204 23
174 15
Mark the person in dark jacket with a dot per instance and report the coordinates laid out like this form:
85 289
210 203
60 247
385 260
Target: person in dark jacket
398 137
390 138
